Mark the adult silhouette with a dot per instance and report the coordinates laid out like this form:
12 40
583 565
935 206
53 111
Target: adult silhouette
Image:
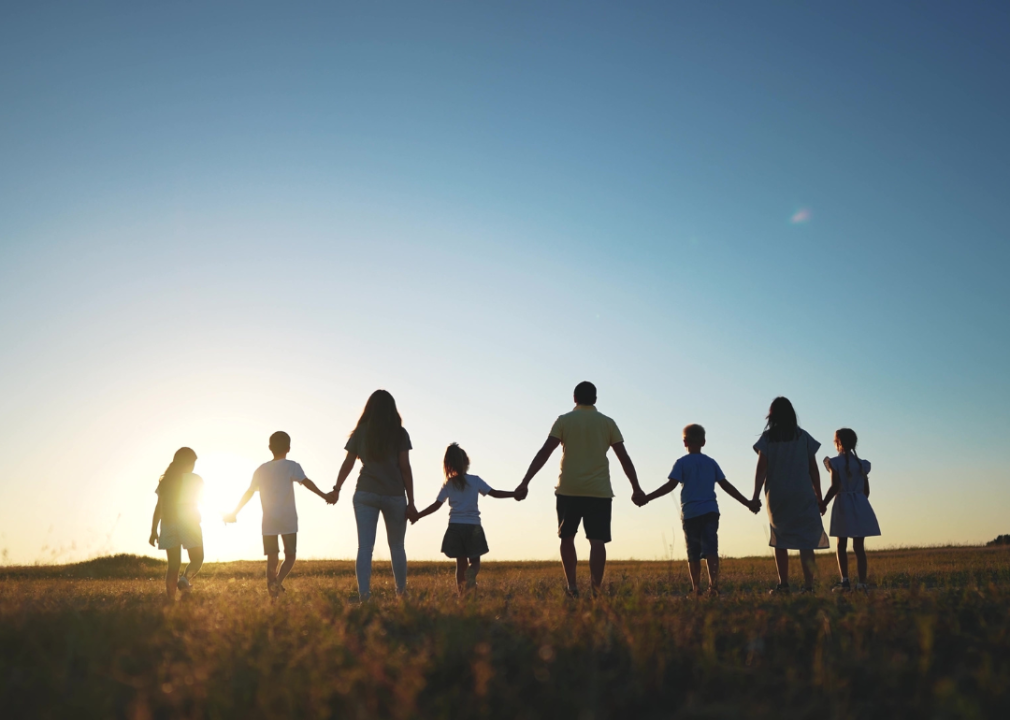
584 492
382 444
787 471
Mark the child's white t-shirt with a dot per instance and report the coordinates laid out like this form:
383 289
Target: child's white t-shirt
463 503
275 480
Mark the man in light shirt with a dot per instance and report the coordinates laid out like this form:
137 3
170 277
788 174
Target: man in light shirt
584 492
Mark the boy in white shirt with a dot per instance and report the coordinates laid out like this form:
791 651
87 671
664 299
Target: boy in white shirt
275 482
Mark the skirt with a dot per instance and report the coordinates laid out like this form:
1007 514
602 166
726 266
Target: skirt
464 541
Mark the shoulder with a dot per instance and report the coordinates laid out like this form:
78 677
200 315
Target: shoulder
762 442
476 480
193 477
808 438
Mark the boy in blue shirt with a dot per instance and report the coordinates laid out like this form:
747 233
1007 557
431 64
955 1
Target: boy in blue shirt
699 510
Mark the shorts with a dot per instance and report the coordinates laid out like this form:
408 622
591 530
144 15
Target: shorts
595 511
464 541
702 536
186 533
270 546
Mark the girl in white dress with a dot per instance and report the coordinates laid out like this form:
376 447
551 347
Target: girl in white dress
851 516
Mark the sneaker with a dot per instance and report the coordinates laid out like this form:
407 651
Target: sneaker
842 587
471 578
184 584
780 590
862 587
712 593
572 592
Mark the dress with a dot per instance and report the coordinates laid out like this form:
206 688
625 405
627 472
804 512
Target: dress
792 506
851 514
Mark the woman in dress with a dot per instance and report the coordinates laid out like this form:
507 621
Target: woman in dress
382 444
787 470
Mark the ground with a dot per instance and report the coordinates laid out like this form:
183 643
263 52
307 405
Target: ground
93 640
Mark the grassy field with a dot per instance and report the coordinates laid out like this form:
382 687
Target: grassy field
93 640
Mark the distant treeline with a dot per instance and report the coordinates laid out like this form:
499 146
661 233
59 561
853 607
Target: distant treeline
1000 540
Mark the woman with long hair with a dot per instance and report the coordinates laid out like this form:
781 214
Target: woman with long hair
179 518
787 471
382 444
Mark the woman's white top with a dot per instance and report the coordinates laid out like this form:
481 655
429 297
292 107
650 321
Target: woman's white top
851 514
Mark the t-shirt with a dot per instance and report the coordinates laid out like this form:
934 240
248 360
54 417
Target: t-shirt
697 474
382 477
275 480
463 503
180 497
585 434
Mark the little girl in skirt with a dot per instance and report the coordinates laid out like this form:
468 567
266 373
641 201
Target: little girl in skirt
464 539
851 516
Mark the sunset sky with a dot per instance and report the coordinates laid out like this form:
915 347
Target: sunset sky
218 220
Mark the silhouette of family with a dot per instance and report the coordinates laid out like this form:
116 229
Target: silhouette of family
787 471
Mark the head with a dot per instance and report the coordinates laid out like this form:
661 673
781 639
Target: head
782 424
280 443
585 393
694 437
183 462
845 440
380 426
455 464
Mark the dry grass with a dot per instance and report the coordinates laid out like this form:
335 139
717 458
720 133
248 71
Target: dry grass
93 640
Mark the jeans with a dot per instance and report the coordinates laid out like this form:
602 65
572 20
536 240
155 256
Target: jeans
367 507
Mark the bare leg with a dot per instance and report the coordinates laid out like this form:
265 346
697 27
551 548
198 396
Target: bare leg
808 563
842 551
471 574
860 549
289 562
597 562
172 578
713 572
782 565
460 574
694 568
195 562
569 560
271 569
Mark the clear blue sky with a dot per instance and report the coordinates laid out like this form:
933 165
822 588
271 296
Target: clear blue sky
218 220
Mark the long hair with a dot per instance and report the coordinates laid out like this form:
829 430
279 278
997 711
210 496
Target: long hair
847 439
379 428
782 425
455 464
182 463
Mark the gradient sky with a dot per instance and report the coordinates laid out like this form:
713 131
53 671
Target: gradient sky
220 220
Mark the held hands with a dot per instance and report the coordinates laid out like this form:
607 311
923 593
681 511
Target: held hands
754 505
521 492
230 517
412 514
639 497
332 496
822 506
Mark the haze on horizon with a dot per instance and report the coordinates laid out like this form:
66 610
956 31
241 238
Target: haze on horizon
221 220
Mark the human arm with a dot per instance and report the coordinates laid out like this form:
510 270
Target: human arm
760 475
345 471
154 522
502 494
815 479
549 446
309 485
752 505
629 469
408 483
866 484
833 490
664 489
427 511
246 497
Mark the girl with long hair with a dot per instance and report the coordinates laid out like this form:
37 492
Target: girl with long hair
382 444
464 539
851 515
179 517
787 471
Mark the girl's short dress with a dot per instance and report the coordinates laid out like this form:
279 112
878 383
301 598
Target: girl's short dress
793 513
180 514
464 538
851 514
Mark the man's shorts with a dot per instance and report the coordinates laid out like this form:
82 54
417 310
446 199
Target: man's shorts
702 536
186 533
270 546
595 511
463 540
